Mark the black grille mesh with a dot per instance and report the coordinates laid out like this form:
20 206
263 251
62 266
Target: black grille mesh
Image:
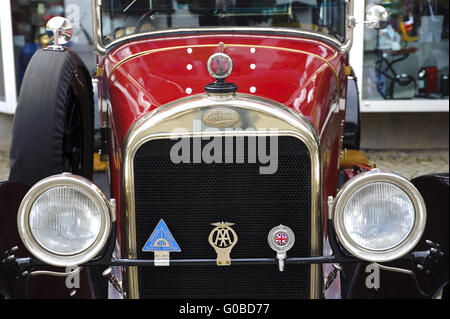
189 197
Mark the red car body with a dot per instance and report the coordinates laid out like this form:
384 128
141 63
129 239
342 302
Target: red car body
304 74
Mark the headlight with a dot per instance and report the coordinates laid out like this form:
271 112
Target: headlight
379 216
64 220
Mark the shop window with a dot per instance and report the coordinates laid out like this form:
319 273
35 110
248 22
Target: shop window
29 20
408 58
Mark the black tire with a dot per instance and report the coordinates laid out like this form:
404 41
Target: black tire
54 122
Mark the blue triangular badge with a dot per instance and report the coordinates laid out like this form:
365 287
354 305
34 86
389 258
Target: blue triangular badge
161 239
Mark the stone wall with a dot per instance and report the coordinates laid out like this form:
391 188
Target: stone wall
404 131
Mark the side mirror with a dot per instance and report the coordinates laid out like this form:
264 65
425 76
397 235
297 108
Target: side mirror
375 16
61 29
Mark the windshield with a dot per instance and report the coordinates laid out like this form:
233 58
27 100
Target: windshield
125 17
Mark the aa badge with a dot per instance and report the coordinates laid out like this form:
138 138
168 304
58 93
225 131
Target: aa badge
281 239
161 242
222 239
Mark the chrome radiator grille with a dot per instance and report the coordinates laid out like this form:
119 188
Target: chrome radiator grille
191 196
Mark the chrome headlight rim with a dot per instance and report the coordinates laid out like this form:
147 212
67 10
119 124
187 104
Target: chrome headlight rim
379 176
51 257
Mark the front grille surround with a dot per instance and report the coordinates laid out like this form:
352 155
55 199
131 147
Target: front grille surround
190 196
255 112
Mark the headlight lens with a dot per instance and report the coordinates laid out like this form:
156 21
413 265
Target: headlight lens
379 216
64 220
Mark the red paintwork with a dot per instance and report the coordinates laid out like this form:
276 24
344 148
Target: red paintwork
296 79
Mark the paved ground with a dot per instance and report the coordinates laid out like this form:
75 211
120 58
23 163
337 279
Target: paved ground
411 164
406 163
4 166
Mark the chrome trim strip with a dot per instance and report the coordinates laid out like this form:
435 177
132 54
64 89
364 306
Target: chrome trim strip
102 49
372 176
347 45
257 113
97 26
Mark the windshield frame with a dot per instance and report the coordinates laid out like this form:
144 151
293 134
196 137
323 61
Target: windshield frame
344 47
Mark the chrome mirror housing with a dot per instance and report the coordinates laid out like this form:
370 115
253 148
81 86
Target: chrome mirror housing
375 16
61 29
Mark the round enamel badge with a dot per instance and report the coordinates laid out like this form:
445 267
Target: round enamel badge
281 238
220 65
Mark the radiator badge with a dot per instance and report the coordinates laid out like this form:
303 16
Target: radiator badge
223 238
281 239
220 117
161 242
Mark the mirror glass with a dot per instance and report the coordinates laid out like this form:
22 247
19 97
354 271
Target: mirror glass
375 16
61 28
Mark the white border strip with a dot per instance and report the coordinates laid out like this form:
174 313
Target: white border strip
9 73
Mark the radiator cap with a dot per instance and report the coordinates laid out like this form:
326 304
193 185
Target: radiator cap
220 66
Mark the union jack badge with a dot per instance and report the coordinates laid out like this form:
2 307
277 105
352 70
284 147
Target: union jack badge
281 239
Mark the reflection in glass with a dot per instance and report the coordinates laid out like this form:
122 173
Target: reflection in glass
124 17
409 58
29 19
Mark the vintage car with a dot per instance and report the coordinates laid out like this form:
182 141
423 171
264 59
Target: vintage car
225 125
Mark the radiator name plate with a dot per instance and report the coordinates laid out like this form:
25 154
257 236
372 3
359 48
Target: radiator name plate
221 117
